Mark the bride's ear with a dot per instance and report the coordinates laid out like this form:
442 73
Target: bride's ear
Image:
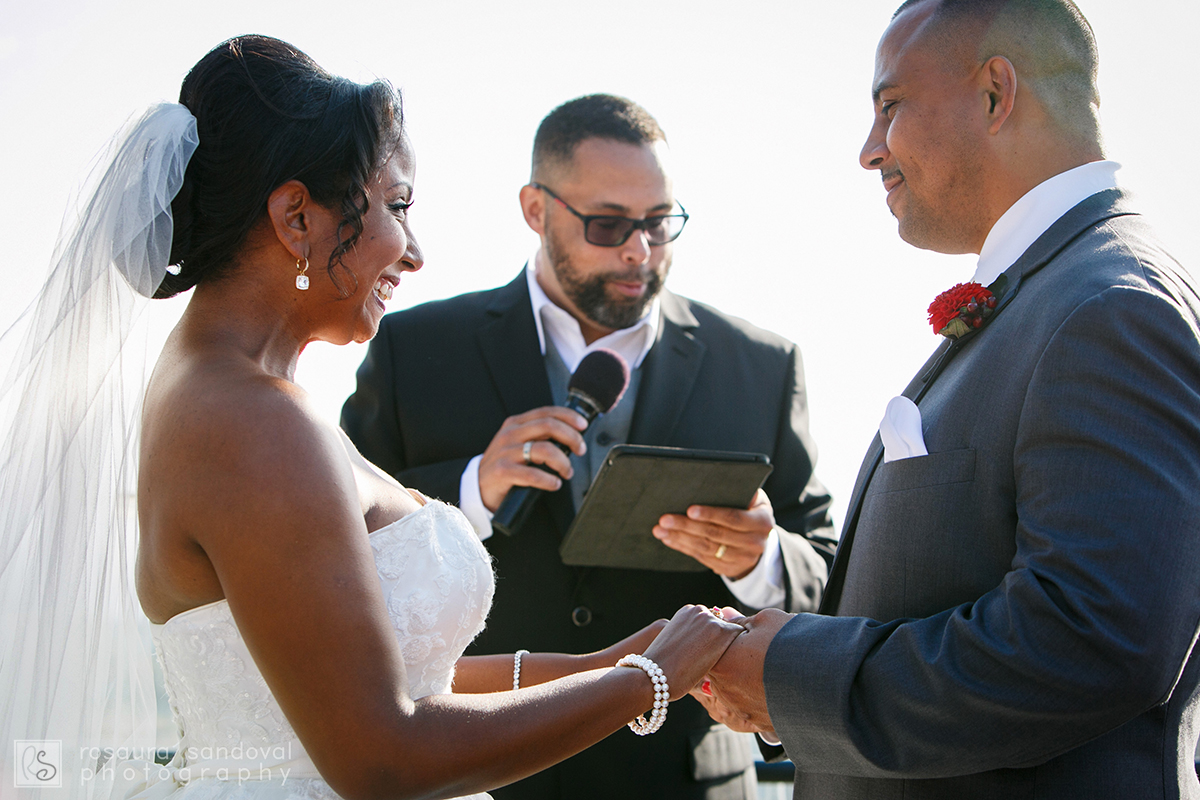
294 217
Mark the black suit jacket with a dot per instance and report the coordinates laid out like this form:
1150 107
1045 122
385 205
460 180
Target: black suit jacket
438 382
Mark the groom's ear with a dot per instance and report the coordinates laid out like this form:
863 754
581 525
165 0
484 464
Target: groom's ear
999 83
292 213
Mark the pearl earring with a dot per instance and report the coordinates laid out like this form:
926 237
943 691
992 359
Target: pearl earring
302 279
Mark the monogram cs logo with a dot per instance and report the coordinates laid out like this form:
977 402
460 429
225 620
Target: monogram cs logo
38 763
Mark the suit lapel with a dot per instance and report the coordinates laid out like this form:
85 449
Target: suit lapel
1093 211
914 391
668 374
1086 215
511 351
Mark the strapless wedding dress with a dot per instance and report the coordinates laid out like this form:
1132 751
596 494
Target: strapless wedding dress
235 743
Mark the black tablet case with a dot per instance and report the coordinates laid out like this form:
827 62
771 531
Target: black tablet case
637 484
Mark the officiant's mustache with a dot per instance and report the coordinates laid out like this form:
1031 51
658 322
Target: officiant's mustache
636 276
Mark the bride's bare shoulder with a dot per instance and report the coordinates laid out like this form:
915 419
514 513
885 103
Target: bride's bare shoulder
234 465
231 409
239 437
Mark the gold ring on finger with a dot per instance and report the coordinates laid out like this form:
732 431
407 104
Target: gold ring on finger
720 553
527 453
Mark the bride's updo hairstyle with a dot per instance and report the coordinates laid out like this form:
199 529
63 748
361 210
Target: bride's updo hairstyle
266 114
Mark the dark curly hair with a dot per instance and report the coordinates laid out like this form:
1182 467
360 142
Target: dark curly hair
266 114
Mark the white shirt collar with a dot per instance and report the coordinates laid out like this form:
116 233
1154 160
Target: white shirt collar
632 343
1033 214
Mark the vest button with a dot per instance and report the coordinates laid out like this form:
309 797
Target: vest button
581 616
604 439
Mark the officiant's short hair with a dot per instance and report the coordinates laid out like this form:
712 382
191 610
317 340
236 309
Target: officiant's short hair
593 116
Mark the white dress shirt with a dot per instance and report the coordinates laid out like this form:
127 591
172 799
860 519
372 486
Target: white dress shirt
1033 214
762 587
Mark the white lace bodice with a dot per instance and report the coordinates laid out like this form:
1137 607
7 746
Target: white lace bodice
437 582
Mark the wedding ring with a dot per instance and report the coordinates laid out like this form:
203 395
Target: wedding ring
720 553
716 612
526 453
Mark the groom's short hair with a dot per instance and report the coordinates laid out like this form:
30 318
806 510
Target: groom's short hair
593 116
1049 42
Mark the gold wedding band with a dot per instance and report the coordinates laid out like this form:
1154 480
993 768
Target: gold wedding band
720 553
526 452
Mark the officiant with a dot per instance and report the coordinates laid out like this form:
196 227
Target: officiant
479 410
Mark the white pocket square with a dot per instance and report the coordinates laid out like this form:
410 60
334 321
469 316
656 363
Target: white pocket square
900 430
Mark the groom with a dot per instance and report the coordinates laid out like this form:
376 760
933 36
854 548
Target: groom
1016 589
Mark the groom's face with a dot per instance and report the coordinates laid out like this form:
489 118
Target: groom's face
928 133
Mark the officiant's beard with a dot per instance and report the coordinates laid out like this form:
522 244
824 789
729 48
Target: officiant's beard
591 295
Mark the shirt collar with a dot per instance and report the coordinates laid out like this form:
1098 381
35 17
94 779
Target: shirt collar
632 343
1033 214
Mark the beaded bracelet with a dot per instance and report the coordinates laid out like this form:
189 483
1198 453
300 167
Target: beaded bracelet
517 668
662 694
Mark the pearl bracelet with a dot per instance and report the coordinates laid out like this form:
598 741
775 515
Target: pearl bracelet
517 668
662 694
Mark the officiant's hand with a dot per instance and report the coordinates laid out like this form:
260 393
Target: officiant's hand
734 693
504 464
729 541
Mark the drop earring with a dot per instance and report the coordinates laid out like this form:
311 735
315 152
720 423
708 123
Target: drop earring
302 279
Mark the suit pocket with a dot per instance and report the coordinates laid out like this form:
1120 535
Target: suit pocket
935 469
920 547
719 752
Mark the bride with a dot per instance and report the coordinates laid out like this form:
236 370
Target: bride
309 613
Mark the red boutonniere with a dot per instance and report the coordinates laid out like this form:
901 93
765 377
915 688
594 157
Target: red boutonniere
961 309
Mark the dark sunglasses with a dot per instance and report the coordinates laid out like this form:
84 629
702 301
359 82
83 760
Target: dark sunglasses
605 230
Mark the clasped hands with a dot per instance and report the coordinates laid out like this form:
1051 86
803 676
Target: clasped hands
732 692
729 541
731 689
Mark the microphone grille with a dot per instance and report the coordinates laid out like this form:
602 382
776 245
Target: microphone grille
603 376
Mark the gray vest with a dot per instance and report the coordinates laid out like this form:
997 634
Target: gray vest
608 430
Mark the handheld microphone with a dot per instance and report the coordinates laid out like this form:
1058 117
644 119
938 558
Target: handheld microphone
597 385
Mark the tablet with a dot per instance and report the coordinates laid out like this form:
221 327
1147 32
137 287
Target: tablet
637 484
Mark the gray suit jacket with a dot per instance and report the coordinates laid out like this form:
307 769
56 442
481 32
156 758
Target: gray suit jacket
1016 611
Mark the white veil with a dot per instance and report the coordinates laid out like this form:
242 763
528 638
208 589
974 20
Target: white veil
74 667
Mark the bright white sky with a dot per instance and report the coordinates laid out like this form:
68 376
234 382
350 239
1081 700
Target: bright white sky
766 105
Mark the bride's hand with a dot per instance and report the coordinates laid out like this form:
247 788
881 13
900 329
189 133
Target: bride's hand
689 645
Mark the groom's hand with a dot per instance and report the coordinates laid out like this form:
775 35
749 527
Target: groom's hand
703 531
735 682
729 717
